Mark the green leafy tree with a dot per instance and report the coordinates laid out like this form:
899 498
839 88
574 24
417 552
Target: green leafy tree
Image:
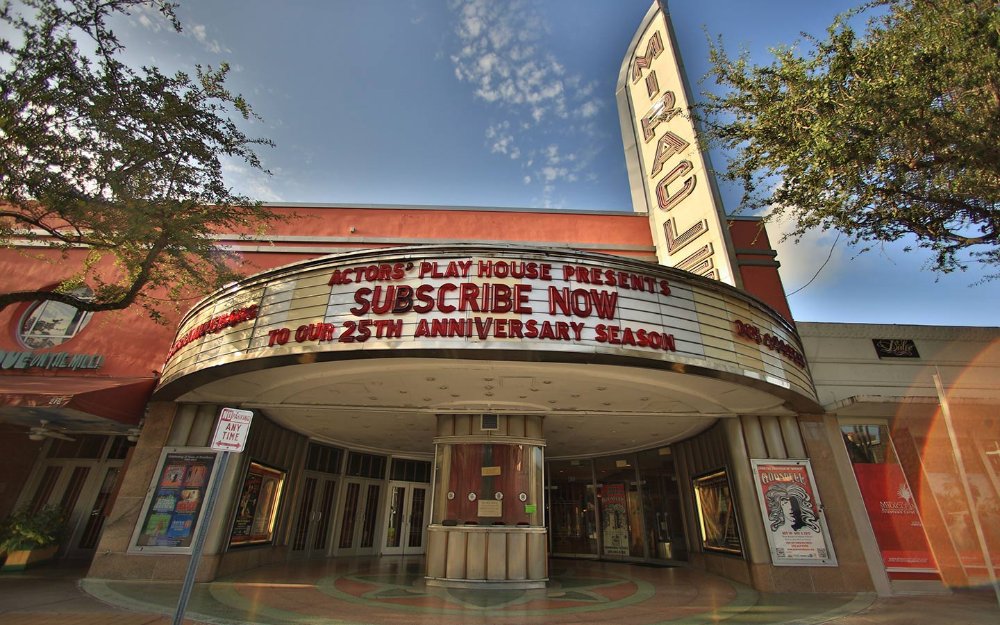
125 164
889 135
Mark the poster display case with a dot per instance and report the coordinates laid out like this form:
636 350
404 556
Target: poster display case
794 523
257 506
717 513
175 500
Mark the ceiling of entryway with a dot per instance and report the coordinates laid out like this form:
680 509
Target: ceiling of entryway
390 404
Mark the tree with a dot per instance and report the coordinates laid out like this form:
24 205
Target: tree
886 136
125 164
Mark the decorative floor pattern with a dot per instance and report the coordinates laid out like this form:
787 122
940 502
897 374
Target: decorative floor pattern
380 591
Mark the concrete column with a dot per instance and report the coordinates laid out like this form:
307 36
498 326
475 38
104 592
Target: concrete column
181 429
772 436
754 539
753 436
204 425
793 437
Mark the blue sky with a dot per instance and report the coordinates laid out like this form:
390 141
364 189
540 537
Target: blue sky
496 103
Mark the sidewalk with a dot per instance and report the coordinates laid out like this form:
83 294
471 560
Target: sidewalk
383 591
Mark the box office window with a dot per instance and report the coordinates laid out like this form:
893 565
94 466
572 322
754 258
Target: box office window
489 484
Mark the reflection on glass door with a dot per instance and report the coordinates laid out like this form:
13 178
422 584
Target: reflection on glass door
406 525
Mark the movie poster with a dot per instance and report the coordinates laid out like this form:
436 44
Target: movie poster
177 500
614 520
793 515
257 505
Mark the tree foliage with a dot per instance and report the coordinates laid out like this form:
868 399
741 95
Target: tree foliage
891 134
123 163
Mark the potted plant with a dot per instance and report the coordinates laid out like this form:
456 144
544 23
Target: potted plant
31 537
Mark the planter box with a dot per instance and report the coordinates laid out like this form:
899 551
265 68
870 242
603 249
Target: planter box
22 559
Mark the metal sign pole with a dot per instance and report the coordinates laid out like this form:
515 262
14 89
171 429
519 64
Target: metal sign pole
199 542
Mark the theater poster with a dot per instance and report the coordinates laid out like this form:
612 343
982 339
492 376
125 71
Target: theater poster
174 501
793 516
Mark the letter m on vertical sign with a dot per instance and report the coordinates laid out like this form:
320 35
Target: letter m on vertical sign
232 430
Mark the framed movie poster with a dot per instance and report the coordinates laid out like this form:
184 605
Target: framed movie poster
257 505
717 513
793 516
174 501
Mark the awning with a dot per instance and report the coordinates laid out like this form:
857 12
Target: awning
119 399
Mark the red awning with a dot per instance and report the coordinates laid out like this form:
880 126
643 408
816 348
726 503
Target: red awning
118 399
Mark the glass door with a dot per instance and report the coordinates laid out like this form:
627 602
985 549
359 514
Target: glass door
314 520
572 508
78 476
359 516
619 508
405 519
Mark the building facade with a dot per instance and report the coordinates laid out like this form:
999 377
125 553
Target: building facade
490 388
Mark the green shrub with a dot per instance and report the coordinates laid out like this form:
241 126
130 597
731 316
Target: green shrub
27 530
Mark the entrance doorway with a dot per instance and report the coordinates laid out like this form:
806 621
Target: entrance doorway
314 520
406 519
359 515
79 477
622 507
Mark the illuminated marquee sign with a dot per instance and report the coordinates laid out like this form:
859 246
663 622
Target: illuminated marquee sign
455 298
668 171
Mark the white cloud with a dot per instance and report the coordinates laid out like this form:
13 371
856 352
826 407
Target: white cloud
500 54
200 33
250 182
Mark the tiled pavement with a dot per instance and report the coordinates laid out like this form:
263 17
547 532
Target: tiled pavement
391 591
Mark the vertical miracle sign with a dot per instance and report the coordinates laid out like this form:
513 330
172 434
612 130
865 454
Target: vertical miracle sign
232 430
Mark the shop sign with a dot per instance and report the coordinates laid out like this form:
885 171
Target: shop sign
49 360
793 514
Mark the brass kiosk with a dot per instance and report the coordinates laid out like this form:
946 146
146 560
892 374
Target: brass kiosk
487 526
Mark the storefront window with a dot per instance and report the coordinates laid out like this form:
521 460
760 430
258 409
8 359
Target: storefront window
888 499
49 323
489 484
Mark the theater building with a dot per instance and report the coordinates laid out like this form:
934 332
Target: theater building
486 389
